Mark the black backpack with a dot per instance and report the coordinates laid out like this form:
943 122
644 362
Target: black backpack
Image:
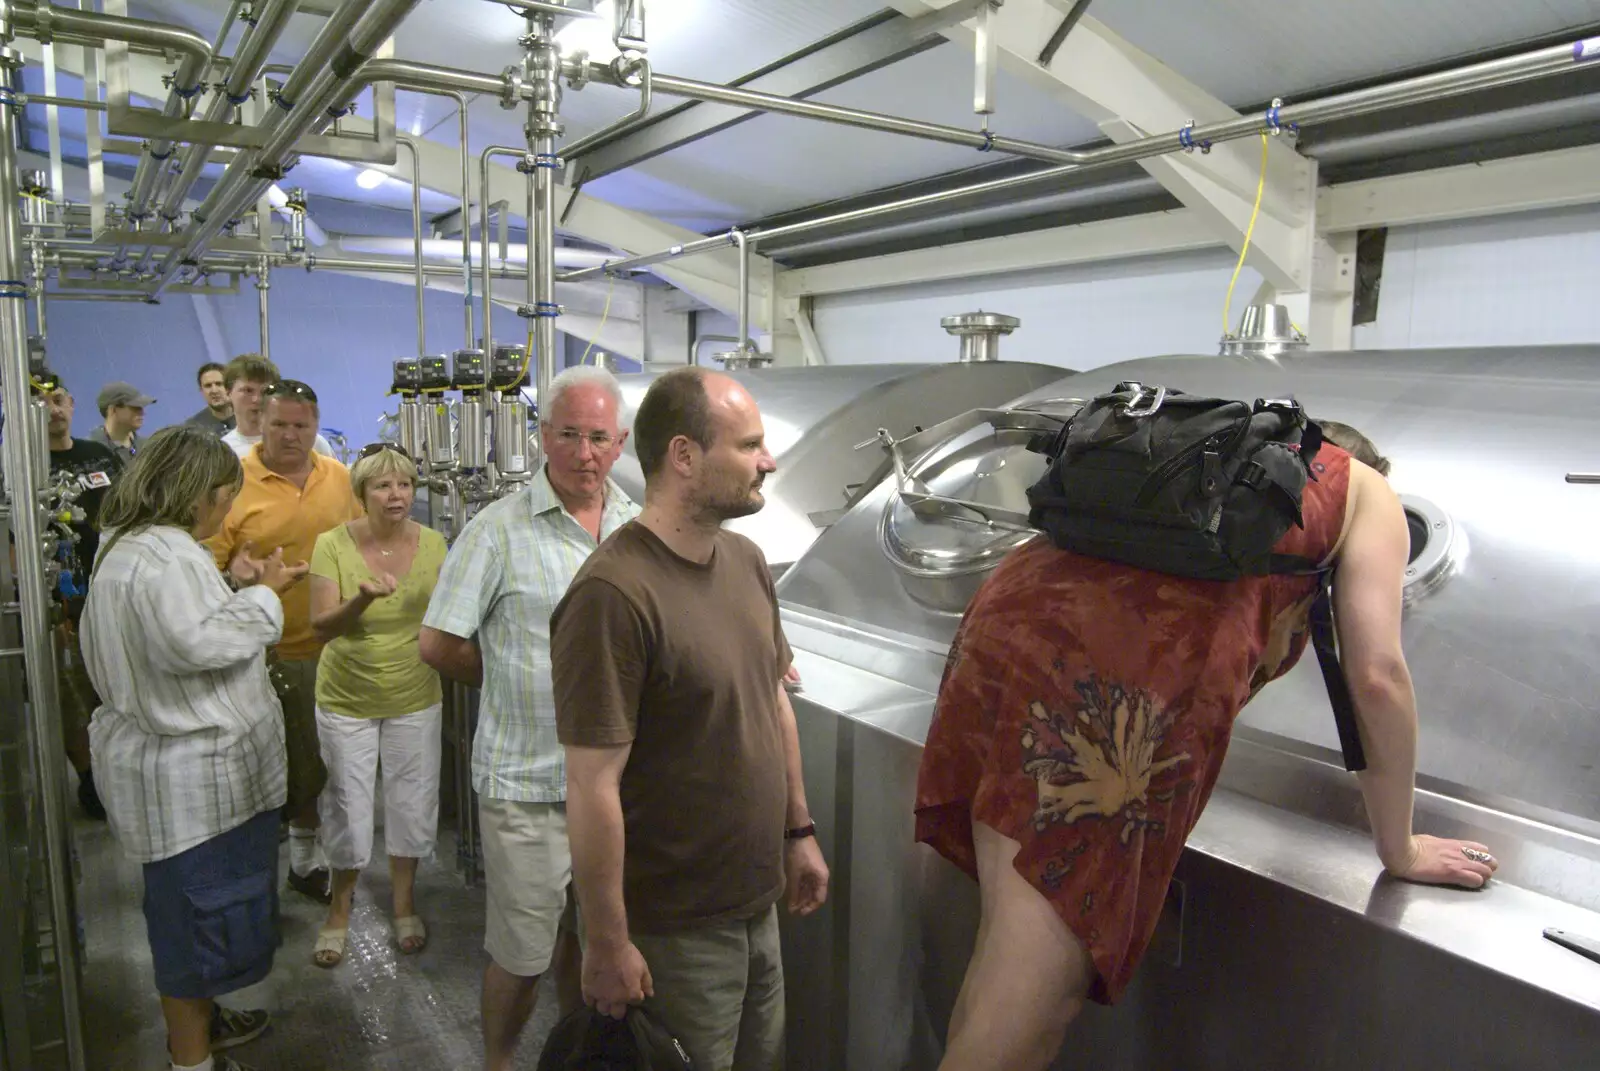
1194 487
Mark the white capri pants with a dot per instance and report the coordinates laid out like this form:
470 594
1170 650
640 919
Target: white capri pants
408 748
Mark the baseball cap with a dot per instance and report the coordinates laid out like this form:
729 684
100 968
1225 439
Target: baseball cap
122 394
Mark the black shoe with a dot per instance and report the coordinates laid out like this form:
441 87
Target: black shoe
230 1028
88 798
228 1063
317 884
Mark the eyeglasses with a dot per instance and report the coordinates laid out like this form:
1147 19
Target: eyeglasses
291 388
374 449
601 441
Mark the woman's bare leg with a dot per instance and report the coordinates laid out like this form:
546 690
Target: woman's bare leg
1028 977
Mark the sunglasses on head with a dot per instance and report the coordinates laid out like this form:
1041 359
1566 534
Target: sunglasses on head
374 449
290 388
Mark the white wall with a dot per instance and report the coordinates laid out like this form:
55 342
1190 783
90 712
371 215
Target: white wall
1519 279
1510 280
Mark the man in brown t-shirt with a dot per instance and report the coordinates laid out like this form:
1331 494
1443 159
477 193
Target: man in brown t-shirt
685 803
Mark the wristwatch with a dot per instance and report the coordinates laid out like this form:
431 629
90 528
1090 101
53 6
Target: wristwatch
799 832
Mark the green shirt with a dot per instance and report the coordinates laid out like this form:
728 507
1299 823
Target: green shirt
374 671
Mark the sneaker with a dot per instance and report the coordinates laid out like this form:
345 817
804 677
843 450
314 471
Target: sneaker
230 1028
89 798
317 884
228 1063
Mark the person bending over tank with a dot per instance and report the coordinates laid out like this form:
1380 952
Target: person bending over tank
1082 721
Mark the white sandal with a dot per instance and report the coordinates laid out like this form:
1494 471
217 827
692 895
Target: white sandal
329 950
408 928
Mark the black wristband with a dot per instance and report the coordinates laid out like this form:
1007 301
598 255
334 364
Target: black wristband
800 832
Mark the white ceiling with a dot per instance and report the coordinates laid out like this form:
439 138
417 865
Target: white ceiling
1244 51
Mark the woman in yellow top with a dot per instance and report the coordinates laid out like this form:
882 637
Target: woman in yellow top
376 702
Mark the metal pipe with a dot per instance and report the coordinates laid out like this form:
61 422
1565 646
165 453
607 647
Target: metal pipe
254 49
743 345
325 92
981 140
515 253
425 77
70 26
71 296
397 267
416 238
607 134
20 451
1557 59
483 232
63 102
543 76
91 28
263 284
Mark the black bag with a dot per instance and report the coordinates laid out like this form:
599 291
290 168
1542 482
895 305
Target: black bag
1190 486
588 1040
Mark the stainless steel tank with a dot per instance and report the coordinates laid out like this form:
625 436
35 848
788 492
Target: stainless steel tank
816 418
1282 946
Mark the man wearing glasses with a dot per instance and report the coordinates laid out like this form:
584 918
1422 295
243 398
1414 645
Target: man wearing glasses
489 625
247 379
291 495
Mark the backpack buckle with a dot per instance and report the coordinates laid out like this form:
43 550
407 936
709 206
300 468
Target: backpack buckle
1132 407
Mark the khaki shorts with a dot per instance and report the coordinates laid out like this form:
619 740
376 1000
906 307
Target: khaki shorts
527 868
719 990
296 685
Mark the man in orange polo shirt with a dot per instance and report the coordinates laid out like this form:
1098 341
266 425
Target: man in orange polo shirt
291 495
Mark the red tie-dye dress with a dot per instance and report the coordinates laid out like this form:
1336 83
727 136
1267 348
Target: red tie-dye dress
1085 711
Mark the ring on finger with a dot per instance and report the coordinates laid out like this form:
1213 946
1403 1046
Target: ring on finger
1476 856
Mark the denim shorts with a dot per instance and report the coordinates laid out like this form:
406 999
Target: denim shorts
211 912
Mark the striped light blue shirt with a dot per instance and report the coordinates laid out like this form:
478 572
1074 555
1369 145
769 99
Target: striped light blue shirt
509 567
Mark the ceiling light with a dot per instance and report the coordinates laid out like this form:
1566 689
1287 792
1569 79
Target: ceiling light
370 179
591 35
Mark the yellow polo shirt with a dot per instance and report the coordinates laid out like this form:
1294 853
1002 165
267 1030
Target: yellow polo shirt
271 512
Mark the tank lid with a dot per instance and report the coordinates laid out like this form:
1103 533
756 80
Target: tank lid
961 504
980 322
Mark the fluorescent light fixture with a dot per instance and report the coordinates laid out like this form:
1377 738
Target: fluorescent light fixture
370 179
591 35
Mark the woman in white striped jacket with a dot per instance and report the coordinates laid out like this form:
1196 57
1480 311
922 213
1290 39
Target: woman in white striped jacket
189 734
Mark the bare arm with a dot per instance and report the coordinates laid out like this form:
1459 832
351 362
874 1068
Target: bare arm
594 823
1367 602
329 616
805 871
1367 612
798 813
457 657
615 974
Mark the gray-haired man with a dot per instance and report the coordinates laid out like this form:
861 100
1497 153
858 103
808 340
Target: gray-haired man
489 625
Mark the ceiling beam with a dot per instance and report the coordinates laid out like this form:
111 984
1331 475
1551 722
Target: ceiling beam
859 49
1130 95
1082 243
1516 184
1547 180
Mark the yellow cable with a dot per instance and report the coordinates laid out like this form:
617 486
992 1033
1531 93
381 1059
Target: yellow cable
1261 186
611 285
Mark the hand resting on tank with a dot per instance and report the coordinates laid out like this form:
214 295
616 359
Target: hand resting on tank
1441 861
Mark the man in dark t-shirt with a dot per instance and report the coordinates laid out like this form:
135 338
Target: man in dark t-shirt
91 468
686 806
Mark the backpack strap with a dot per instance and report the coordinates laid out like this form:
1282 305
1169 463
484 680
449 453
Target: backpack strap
1325 641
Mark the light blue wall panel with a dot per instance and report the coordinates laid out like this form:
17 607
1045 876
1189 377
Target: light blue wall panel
337 332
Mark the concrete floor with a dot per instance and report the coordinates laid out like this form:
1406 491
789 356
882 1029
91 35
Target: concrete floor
377 1010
